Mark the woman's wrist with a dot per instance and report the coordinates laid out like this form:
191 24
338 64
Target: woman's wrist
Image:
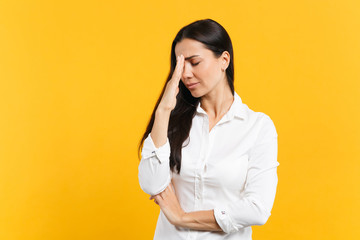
182 220
163 111
199 220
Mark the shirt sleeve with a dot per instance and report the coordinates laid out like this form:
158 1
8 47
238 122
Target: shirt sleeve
254 208
154 168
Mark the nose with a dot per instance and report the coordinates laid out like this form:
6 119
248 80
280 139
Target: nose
187 73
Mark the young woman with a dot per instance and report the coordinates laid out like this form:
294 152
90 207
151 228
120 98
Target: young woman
208 160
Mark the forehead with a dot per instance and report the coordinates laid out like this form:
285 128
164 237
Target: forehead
189 47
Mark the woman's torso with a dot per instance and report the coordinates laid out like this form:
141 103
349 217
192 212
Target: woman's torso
213 168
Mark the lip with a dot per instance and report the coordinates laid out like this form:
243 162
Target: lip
191 85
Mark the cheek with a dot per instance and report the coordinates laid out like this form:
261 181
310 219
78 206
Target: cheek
205 71
210 73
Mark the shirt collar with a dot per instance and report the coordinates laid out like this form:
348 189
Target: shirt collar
237 109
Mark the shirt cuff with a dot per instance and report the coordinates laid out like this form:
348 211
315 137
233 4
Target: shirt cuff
149 150
224 220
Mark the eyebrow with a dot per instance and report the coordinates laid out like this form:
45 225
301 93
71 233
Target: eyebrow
191 57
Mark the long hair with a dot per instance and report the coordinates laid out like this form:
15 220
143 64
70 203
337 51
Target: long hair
215 38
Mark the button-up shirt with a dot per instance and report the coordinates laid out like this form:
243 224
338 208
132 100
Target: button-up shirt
231 169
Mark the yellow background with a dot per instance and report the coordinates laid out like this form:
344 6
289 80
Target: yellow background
79 79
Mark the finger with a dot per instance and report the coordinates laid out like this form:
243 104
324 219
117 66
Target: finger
158 199
176 73
181 67
178 69
177 64
163 194
171 187
153 196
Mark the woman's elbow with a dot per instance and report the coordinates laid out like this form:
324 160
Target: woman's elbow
262 219
147 188
256 218
153 185
153 188
153 176
258 214
261 215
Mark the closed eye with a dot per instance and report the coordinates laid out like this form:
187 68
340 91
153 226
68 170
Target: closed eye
194 64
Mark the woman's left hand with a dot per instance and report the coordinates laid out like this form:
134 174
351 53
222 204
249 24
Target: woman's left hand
170 205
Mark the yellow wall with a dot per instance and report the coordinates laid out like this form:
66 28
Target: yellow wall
79 79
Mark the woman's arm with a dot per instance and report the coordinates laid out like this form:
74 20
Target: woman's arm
160 127
260 187
199 220
154 167
253 209
154 170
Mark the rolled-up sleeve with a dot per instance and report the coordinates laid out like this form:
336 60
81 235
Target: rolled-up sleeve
154 169
254 208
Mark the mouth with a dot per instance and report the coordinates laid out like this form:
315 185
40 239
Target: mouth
191 85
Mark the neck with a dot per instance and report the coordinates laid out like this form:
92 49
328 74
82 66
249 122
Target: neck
217 102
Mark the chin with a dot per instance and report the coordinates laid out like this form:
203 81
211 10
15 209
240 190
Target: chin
196 94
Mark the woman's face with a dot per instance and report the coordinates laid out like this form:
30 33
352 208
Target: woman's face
202 72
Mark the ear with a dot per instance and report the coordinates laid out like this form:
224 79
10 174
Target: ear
225 60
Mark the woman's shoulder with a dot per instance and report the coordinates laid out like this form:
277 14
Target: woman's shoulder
256 120
247 112
254 115
263 122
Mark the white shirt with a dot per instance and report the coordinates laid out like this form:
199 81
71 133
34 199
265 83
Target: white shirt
231 169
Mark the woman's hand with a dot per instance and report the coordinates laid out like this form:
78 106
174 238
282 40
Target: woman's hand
198 220
170 205
159 131
168 100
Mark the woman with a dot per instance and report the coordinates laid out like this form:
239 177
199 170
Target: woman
208 161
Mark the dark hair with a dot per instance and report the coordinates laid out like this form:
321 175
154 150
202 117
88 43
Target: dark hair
215 38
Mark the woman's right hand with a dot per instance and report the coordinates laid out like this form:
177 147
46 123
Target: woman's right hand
168 100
